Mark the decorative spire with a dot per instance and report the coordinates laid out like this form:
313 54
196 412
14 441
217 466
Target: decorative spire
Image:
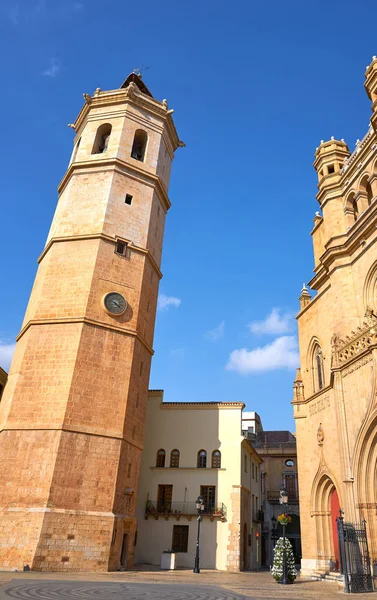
305 297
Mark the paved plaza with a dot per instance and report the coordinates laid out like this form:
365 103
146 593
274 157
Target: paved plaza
161 585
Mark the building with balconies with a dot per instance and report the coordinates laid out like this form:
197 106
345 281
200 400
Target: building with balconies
196 449
279 469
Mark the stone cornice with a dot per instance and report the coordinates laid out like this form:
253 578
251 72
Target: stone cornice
201 405
77 430
106 238
86 321
352 239
120 165
132 95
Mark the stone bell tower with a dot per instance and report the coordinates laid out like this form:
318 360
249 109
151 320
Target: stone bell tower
72 414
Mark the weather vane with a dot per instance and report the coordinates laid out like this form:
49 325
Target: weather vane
139 71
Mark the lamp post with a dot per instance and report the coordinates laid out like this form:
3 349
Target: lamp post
199 505
274 532
283 499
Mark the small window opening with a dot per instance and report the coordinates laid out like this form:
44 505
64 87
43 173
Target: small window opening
331 169
102 139
129 470
121 248
141 368
128 199
139 145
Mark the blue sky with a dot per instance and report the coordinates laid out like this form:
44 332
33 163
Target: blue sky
255 87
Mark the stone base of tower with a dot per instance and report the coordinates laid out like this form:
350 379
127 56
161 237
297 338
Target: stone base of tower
60 540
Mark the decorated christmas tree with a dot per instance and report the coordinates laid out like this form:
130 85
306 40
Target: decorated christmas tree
277 568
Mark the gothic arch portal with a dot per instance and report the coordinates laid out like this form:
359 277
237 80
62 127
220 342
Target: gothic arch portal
324 506
365 472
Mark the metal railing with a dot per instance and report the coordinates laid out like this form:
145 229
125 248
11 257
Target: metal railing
154 507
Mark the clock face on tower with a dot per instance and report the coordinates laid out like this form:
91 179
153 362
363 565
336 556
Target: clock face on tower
115 303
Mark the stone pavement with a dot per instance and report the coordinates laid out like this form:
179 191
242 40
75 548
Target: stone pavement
149 584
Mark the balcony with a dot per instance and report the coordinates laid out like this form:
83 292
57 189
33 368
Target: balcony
186 509
273 497
258 516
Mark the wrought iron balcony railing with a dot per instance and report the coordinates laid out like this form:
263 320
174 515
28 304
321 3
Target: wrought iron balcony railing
258 516
154 507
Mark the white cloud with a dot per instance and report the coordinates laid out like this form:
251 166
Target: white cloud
164 302
273 324
217 333
282 353
53 69
6 355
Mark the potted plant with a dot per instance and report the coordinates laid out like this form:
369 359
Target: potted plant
277 567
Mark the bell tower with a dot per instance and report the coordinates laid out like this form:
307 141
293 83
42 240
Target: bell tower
72 414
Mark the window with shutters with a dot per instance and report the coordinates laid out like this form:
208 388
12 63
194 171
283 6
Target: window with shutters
165 494
180 538
202 459
160 460
216 459
174 458
208 493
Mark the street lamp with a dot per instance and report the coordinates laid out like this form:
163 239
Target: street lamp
283 499
199 505
274 532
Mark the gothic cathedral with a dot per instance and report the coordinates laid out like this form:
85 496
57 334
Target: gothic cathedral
72 414
334 402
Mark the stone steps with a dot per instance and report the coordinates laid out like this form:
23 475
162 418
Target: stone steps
327 576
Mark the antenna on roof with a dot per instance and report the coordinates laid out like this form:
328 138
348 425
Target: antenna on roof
139 71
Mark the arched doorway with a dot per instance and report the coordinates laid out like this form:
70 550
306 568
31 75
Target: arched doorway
244 553
325 508
366 477
335 508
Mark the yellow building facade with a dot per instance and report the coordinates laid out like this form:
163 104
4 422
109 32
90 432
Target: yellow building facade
335 389
196 449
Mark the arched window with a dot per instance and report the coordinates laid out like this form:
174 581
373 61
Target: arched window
202 459
318 373
75 150
102 138
174 458
369 193
216 459
160 461
139 145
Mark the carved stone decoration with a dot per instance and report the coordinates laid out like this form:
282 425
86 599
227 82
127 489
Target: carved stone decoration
358 342
320 435
335 342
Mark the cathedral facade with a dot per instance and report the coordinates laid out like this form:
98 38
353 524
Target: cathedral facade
72 413
335 403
